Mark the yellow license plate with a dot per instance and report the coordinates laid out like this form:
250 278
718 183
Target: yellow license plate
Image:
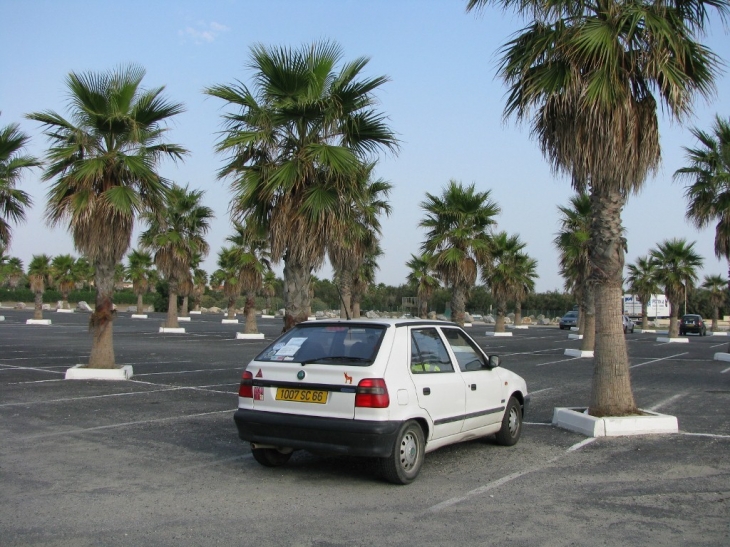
301 395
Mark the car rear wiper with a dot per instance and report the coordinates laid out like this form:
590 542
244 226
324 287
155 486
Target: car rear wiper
327 358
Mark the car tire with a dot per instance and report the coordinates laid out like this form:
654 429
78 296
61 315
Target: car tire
271 457
403 465
511 429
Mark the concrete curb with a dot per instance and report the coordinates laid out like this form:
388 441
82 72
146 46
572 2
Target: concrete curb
578 353
229 321
139 316
82 372
38 322
172 330
673 340
244 336
651 423
503 334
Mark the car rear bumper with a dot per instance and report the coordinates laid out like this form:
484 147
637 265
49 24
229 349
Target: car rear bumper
317 434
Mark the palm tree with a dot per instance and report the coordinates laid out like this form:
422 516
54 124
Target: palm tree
421 275
103 163
643 283
525 272
176 235
251 251
139 272
708 195
573 243
590 76
13 201
364 276
200 281
229 272
39 276
499 273
64 276
355 229
84 272
12 272
717 287
268 288
676 269
457 238
296 142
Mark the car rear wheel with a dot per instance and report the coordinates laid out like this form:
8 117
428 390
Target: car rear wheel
511 424
403 465
271 457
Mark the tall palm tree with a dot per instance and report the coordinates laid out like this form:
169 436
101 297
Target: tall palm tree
229 273
421 275
716 285
103 164
296 140
252 258
676 269
64 277
12 272
591 76
176 235
573 244
355 229
525 272
139 272
39 276
499 273
364 276
708 195
457 237
13 201
643 283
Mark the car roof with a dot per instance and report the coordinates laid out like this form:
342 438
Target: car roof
385 322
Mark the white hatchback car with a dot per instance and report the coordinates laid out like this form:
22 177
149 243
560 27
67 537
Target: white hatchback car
389 389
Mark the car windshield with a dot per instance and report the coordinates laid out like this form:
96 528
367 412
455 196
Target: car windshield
330 344
570 315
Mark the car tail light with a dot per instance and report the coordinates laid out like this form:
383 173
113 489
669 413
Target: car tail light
372 393
246 387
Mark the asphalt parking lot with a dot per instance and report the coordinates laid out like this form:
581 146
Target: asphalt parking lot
156 460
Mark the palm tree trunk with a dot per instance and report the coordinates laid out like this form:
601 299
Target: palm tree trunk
297 278
588 342
250 313
458 304
356 309
423 312
38 309
673 318
184 307
501 309
644 313
345 282
715 318
231 307
171 321
140 303
611 393
518 312
102 320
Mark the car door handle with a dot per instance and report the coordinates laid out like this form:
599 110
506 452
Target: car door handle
473 387
427 391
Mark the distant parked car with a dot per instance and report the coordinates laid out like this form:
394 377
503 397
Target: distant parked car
569 320
692 323
628 324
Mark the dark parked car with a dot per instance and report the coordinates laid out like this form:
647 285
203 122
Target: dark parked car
692 323
569 320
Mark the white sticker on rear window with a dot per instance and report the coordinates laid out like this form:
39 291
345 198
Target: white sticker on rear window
292 346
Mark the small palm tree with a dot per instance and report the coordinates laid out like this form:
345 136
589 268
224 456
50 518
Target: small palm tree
643 282
268 289
500 272
103 163
139 272
84 273
421 275
13 201
676 269
39 275
525 272
200 281
716 285
64 276
229 273
13 272
457 238
176 235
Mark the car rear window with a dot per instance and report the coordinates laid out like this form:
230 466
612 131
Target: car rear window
355 345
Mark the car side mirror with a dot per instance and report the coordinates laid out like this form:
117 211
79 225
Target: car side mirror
493 361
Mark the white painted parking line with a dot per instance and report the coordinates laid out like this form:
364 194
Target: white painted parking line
187 371
719 345
657 360
124 424
560 361
531 352
724 371
69 399
12 367
540 390
705 435
667 401
584 442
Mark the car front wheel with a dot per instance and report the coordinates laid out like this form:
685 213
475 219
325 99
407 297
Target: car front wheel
271 457
403 465
511 424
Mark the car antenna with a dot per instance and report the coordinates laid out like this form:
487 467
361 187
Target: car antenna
344 306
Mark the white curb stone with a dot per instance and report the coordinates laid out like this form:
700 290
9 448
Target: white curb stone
575 337
38 322
243 336
673 340
578 353
722 357
229 321
650 423
82 372
500 334
183 319
139 316
172 330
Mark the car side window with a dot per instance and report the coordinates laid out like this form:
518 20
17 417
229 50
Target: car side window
428 353
468 356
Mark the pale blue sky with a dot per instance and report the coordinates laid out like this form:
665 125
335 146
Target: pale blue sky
443 101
